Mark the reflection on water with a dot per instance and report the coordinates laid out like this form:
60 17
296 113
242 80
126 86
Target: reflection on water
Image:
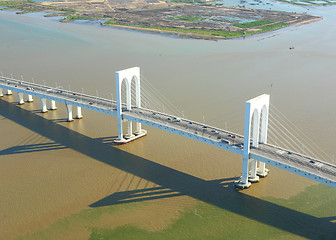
52 169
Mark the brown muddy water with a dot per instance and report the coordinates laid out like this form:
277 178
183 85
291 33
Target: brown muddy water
53 171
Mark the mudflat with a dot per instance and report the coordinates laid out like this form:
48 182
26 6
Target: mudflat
205 20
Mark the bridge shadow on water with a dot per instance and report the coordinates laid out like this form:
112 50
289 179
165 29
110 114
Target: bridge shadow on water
172 182
146 194
32 148
61 120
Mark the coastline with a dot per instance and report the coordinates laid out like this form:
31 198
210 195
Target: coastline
206 36
214 23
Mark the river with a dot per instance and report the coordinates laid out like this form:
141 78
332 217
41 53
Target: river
61 180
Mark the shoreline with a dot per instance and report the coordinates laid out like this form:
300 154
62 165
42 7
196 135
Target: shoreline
188 20
206 36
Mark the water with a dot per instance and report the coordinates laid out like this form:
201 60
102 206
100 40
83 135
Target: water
64 179
264 4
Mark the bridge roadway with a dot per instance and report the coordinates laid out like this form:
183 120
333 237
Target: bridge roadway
294 162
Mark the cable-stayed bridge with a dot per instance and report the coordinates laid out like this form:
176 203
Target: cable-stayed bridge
256 152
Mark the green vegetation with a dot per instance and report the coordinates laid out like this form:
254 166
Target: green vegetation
67 10
224 34
78 17
188 18
72 15
27 11
263 25
273 26
111 22
215 33
54 14
25 6
252 24
12 4
30 6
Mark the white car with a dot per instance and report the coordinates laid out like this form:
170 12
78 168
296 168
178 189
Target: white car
176 119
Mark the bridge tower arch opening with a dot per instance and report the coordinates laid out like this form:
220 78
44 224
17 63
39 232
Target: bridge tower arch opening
261 170
130 77
255 128
136 98
135 91
125 94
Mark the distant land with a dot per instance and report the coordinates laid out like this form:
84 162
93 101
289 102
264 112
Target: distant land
202 20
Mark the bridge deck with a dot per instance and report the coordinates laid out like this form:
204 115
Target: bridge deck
303 165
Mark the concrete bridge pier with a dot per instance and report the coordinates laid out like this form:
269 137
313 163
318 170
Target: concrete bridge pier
53 105
1 94
44 105
256 112
262 171
243 182
130 130
79 113
120 127
9 92
253 177
69 111
30 98
138 129
20 96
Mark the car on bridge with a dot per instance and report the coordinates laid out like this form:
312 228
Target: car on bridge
177 119
225 141
232 136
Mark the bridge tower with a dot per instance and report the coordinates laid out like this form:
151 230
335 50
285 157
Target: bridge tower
256 109
130 76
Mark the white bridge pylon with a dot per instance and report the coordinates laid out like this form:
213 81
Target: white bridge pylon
256 110
129 76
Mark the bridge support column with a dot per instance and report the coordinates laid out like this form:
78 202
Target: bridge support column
243 182
262 171
44 105
1 94
30 98
138 129
253 177
69 111
79 113
53 105
254 109
120 128
130 130
9 92
20 96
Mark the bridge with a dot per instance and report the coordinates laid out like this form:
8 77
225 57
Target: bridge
256 152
